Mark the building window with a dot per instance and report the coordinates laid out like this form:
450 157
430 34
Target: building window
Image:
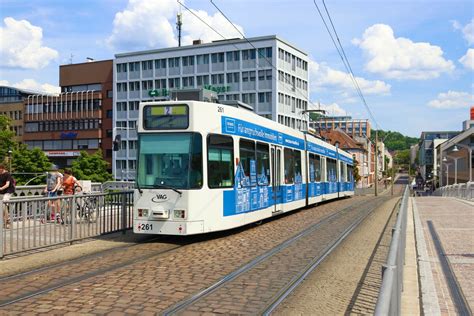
160 64
202 59
147 65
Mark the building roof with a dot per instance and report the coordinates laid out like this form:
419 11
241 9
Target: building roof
214 43
21 90
334 136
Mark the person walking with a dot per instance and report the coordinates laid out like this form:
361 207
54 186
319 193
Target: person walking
7 188
53 184
70 183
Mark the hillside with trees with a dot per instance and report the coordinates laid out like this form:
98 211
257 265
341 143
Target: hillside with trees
394 141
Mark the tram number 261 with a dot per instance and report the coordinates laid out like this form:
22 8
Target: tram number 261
220 109
143 226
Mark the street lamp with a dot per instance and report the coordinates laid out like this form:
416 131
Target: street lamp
117 138
455 166
10 160
469 150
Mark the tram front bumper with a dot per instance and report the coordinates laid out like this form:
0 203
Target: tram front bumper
168 227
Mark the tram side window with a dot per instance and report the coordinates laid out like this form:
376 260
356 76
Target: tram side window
220 164
289 166
343 172
317 168
263 164
247 158
331 170
311 167
350 173
297 158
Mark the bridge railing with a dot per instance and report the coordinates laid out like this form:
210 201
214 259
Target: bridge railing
461 190
389 299
32 222
37 190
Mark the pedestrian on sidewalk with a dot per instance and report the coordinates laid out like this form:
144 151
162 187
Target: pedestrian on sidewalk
7 188
53 184
69 185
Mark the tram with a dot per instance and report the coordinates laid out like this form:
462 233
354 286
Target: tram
205 167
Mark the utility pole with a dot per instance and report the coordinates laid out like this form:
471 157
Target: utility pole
376 162
179 22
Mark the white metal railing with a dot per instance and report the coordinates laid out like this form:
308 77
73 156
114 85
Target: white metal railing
389 299
31 222
461 190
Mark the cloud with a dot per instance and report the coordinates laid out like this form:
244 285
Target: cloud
452 100
332 109
23 45
322 76
468 59
195 29
400 58
32 85
147 24
467 31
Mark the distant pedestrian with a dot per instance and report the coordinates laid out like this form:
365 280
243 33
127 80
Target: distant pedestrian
7 188
53 184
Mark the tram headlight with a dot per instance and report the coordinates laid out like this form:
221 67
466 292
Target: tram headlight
142 212
179 214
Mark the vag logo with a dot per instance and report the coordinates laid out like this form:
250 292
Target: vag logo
159 198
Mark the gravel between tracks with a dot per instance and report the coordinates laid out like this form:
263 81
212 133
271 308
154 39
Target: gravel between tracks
330 288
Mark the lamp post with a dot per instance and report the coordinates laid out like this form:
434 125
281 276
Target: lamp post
117 138
469 150
445 159
10 160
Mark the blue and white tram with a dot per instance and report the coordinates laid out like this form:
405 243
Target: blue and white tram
205 167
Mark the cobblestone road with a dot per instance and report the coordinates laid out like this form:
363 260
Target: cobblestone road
153 284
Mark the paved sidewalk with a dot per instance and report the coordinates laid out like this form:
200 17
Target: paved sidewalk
448 232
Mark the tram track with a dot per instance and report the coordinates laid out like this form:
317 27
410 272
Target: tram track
52 277
195 302
169 268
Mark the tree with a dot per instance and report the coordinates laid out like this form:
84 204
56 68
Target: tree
33 161
91 167
356 171
6 137
394 140
402 157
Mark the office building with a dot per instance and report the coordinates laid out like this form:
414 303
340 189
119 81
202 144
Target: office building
269 74
426 151
455 159
12 106
352 127
79 118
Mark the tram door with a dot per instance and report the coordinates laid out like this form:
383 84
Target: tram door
276 178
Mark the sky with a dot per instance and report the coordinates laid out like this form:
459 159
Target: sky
413 60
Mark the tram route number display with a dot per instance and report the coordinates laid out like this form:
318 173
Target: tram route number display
144 227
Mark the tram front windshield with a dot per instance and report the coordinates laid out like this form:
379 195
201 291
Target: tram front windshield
170 160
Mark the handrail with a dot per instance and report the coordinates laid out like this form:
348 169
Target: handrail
389 300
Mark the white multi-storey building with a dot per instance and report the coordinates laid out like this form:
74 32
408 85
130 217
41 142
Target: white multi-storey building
269 74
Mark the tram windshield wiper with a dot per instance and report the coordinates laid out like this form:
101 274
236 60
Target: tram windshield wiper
163 186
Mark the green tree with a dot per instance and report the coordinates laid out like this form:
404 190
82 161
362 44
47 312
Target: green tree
402 157
356 171
314 116
6 137
394 140
32 161
91 167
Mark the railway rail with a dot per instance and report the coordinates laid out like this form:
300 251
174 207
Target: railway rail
42 280
300 254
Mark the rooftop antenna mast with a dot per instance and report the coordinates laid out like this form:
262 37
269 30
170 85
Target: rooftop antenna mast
179 23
